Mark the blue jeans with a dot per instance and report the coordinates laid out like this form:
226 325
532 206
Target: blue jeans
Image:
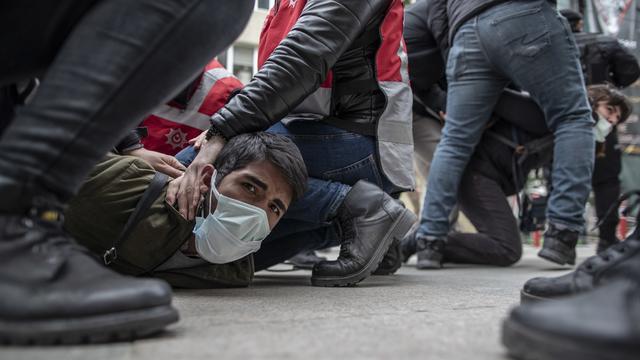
530 44
335 159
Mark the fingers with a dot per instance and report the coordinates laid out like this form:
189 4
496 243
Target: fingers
189 193
172 190
199 140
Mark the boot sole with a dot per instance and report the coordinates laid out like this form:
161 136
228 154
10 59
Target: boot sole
527 344
554 257
527 298
123 326
400 227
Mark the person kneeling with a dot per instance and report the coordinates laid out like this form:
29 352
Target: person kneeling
245 193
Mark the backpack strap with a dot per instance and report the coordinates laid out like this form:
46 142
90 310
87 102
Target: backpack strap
144 204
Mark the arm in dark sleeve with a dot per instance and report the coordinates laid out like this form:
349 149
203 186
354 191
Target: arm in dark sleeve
624 66
298 65
438 21
129 143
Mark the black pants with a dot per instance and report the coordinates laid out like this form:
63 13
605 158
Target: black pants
106 64
498 239
606 193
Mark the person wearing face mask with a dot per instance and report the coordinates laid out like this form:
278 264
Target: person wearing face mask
248 189
610 109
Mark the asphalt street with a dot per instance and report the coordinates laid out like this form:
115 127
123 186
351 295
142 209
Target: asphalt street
453 313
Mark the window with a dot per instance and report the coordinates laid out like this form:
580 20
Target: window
264 4
243 63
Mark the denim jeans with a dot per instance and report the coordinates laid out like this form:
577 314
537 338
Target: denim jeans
530 44
107 63
335 160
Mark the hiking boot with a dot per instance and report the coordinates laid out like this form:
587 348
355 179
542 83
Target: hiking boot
370 220
600 324
392 260
559 246
305 260
55 292
619 261
430 252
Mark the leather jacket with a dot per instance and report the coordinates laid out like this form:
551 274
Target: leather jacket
328 35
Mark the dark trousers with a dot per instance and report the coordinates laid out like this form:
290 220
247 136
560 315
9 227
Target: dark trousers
106 64
606 194
498 240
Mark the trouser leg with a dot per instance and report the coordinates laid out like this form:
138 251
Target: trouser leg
606 194
120 60
498 240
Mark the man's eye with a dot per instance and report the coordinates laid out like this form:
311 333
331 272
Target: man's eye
250 188
275 209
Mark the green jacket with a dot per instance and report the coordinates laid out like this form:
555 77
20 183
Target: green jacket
99 212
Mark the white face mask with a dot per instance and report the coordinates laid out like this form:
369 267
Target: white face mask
235 229
602 129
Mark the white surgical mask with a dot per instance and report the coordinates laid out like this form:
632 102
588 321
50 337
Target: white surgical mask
235 229
602 129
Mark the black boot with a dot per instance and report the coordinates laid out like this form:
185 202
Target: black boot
430 252
559 246
392 260
408 244
305 260
603 245
601 324
619 261
370 220
54 292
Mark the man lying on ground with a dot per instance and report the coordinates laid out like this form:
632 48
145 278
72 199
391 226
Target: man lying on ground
249 188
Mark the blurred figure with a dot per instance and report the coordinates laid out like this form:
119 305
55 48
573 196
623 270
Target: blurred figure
604 60
107 64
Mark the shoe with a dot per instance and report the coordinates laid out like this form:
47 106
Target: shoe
392 260
559 246
601 324
370 220
408 245
430 252
305 260
619 261
55 292
603 245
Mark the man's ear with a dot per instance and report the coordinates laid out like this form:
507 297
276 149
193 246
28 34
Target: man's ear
205 178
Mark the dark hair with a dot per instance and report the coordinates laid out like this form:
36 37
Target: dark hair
611 96
277 149
573 17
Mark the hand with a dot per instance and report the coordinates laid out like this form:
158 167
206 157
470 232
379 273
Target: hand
198 140
160 162
189 188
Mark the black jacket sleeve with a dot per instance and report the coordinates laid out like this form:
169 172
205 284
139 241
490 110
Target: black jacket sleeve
298 65
623 65
130 142
438 21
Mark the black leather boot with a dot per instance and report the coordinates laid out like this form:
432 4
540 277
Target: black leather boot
601 324
430 252
603 245
619 261
392 260
408 244
559 246
54 292
370 220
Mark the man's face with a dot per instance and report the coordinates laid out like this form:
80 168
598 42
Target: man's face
609 112
260 184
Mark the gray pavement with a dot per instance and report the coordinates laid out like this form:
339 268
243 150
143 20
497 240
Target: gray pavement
454 313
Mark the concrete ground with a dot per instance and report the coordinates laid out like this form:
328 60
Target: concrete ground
454 313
